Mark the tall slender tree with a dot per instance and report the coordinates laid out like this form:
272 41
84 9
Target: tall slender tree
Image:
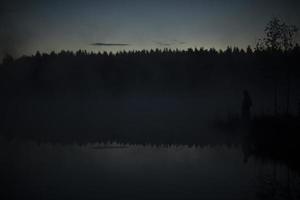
279 38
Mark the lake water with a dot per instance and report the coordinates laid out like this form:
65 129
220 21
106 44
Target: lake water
113 171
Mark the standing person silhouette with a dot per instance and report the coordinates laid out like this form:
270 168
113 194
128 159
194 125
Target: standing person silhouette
246 106
299 108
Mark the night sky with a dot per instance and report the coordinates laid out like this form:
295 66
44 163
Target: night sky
28 26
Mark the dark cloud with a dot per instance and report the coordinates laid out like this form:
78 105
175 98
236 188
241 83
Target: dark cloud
169 43
178 42
163 43
109 44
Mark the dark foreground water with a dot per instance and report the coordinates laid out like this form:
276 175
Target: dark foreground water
102 171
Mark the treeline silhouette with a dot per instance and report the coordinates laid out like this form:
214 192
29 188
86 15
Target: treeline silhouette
63 96
152 71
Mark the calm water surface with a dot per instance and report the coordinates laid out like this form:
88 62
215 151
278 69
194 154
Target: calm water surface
101 171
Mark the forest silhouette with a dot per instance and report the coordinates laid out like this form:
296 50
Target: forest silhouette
77 77
153 70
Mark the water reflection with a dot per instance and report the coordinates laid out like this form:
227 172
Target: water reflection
114 171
